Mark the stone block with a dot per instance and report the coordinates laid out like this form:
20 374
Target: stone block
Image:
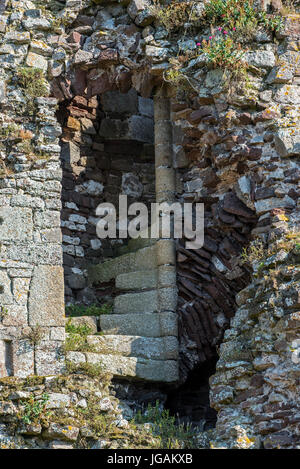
141 129
265 205
163 154
46 300
6 296
166 252
15 224
146 107
70 153
49 358
88 321
34 253
167 299
142 280
131 367
37 61
166 276
6 359
120 103
260 59
165 182
145 324
23 358
287 142
62 432
144 302
163 132
131 185
113 128
47 219
17 37
136 261
157 348
58 400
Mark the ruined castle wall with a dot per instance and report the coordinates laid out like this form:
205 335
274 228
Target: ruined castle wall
235 150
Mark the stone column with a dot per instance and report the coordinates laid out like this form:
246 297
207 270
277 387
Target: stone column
165 193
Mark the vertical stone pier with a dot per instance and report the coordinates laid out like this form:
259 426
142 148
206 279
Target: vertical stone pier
165 193
32 324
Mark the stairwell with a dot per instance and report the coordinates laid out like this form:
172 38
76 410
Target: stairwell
139 338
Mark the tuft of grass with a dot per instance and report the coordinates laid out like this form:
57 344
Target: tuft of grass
89 369
33 82
255 252
93 310
174 15
170 435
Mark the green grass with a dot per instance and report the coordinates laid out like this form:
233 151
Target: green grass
171 435
93 310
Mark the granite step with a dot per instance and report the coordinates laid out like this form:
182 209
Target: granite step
144 302
140 324
141 260
130 367
142 280
155 348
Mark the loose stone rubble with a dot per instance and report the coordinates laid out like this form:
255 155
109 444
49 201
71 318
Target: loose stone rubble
91 136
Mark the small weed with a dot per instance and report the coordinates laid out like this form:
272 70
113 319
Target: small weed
254 253
174 15
32 81
241 17
79 329
3 311
93 371
35 409
171 436
36 334
223 52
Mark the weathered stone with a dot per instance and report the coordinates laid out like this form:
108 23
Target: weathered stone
131 185
261 58
46 301
67 432
137 367
146 324
122 103
165 348
287 142
140 260
89 321
144 302
36 61
15 223
137 280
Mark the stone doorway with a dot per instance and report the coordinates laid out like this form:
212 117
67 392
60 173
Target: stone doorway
107 150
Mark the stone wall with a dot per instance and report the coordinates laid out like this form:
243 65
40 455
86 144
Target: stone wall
235 149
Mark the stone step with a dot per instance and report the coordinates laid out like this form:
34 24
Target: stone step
158 348
90 322
142 280
143 259
144 302
165 371
136 244
140 324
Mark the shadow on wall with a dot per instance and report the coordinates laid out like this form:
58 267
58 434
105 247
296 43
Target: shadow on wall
107 150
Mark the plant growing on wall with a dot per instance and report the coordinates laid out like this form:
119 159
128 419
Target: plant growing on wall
35 409
33 82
